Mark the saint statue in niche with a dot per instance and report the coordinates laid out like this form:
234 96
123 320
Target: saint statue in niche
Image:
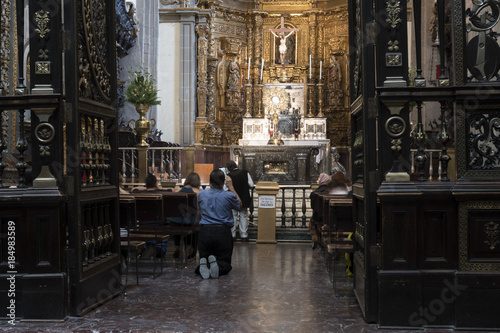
233 80
334 82
233 83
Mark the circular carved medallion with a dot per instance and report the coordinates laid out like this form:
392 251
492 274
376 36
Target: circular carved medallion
395 126
45 133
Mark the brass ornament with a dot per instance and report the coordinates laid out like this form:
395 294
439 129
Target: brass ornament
45 133
395 126
44 151
492 234
393 8
42 21
42 67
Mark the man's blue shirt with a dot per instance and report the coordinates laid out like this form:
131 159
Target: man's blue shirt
216 206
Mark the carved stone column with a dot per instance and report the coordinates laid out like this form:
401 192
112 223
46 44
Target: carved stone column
202 31
258 58
211 32
212 69
257 40
321 38
249 38
5 32
312 37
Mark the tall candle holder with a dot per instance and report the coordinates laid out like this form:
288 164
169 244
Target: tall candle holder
261 89
248 102
310 87
320 100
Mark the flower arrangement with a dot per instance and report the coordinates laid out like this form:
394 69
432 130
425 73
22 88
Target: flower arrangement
142 88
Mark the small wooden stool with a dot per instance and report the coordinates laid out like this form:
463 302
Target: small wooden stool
132 247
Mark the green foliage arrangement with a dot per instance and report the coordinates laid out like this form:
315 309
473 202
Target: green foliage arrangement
142 88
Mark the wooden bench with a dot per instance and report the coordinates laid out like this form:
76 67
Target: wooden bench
173 204
340 226
148 228
182 205
335 214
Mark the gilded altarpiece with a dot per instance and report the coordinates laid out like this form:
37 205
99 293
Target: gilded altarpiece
241 39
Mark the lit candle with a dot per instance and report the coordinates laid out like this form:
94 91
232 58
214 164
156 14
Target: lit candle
261 69
310 66
320 68
249 61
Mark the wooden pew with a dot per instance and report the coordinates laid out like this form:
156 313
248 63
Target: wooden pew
150 218
340 225
128 247
174 204
317 217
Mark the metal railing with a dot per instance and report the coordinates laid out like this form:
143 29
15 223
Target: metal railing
165 161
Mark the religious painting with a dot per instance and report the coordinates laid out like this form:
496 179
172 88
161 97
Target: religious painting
289 52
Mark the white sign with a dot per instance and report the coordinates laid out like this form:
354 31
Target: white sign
267 201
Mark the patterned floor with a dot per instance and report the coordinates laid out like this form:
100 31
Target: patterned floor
272 288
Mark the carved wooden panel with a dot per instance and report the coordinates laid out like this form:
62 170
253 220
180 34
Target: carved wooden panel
437 234
94 66
478 141
479 236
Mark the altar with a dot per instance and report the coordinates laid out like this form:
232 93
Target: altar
285 144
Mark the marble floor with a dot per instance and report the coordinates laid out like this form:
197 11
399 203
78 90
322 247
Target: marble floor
272 288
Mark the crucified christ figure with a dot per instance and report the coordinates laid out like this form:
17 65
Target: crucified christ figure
281 34
282 47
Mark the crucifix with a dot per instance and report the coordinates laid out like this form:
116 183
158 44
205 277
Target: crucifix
282 33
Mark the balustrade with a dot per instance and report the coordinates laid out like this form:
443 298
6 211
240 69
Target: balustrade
160 160
287 203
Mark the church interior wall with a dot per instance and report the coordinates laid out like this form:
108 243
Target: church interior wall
144 53
168 78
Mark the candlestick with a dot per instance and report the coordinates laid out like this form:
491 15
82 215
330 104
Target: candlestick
310 66
248 102
320 99
261 86
249 62
261 69
320 69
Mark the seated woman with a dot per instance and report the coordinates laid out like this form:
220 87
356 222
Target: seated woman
338 184
191 185
151 185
